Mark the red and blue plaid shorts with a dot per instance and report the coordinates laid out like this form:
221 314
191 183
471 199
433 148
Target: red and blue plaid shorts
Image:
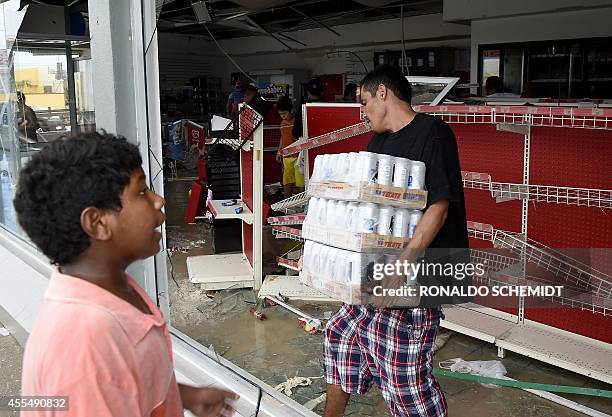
393 347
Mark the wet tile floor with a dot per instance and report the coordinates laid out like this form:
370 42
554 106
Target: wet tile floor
278 349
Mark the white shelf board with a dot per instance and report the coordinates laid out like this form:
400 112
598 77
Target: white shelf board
223 271
290 286
220 211
475 323
576 353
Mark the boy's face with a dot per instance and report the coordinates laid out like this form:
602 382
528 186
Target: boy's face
284 114
134 234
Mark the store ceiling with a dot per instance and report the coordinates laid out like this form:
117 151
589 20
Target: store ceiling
237 18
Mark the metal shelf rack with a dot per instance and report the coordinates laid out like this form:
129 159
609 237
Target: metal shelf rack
593 118
298 200
581 276
286 232
294 219
503 191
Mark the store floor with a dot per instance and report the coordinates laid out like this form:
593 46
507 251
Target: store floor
11 354
277 349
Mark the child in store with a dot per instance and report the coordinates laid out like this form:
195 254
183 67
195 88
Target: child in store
99 339
293 179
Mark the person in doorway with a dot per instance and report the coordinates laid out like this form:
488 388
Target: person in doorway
494 87
235 98
393 346
250 92
27 122
99 339
314 89
293 179
350 93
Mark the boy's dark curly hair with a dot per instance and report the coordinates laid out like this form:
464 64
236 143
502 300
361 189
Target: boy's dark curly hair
64 178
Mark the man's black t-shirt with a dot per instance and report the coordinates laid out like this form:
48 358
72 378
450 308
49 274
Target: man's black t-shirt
431 141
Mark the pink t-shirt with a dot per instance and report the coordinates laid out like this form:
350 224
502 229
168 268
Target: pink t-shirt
107 356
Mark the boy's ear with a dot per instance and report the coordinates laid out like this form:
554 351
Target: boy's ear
95 223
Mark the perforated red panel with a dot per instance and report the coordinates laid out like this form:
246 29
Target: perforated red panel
247 236
272 170
505 304
271 136
563 226
482 208
482 148
479 243
246 177
327 119
571 157
573 320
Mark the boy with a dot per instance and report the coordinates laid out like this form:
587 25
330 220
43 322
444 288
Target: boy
234 99
99 339
293 179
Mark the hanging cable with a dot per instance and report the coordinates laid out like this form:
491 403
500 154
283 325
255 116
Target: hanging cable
365 68
155 29
228 55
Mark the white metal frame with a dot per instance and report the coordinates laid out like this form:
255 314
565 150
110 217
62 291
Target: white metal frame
253 217
449 81
503 191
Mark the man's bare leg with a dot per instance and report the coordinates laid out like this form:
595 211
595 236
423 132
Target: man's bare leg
336 401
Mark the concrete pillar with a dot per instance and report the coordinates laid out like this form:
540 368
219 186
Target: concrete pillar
126 99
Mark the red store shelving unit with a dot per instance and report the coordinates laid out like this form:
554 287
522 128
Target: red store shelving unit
538 182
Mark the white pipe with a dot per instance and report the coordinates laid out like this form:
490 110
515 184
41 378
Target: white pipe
565 402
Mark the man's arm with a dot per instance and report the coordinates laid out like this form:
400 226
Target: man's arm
432 221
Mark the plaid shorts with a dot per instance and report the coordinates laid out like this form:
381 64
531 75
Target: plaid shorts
391 346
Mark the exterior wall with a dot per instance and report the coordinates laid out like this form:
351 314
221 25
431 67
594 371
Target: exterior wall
539 27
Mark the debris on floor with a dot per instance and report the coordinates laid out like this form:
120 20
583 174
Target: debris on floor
490 369
315 401
4 331
173 250
259 315
310 326
297 381
441 340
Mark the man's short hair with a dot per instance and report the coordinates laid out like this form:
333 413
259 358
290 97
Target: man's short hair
390 77
64 178
284 104
315 86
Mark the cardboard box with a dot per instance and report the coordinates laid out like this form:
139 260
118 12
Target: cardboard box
367 192
358 242
350 293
